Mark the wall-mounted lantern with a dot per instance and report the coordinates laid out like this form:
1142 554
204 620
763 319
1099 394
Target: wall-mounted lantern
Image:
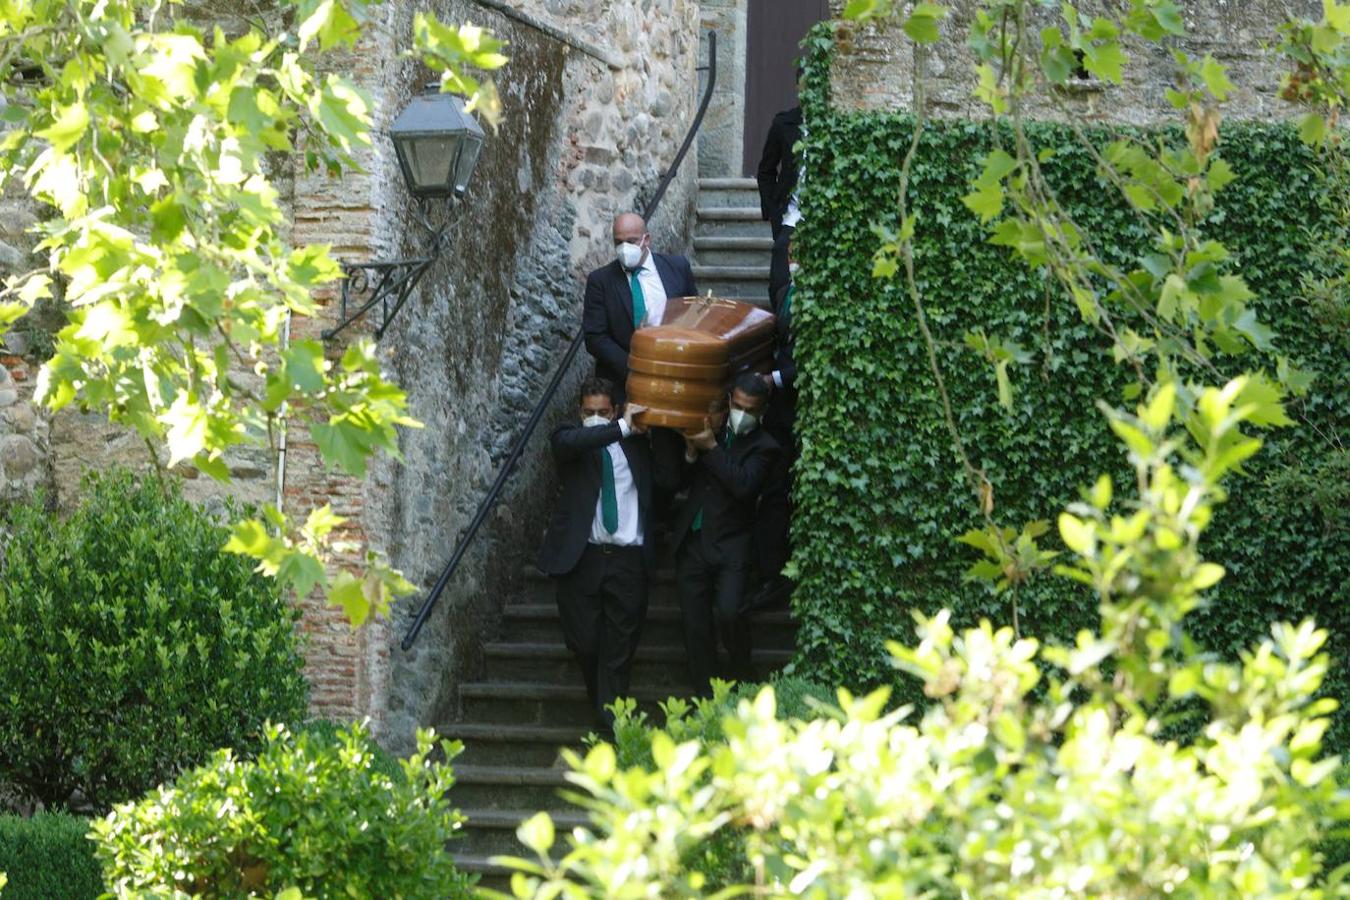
437 143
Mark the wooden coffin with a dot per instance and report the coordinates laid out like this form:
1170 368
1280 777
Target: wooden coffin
682 366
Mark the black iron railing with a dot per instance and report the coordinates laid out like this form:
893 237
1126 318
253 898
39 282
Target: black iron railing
546 400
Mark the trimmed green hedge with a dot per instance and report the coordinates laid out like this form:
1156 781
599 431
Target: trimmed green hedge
48 856
879 492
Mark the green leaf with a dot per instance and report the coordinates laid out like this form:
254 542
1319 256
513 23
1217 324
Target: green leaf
1215 76
1312 129
1078 535
537 833
922 24
69 126
347 592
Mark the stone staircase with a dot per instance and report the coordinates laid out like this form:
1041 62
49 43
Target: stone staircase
530 702
731 242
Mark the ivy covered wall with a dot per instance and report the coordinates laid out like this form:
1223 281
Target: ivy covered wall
880 493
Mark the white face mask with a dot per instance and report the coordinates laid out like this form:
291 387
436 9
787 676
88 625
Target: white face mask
793 268
630 255
743 422
593 421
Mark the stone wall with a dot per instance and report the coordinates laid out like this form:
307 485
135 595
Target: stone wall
875 67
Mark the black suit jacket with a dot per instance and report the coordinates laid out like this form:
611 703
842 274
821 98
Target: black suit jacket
777 172
607 311
781 418
576 449
726 485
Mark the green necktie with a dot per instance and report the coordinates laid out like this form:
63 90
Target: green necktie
639 301
786 312
609 498
698 516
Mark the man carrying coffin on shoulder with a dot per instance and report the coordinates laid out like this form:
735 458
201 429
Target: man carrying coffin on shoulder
597 544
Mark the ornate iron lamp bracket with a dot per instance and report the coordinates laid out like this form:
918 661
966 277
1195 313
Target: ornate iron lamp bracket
384 284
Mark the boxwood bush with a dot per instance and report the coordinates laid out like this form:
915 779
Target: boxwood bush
309 812
880 495
48 856
131 647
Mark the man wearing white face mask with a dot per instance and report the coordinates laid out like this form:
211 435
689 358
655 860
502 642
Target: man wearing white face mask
725 467
627 293
597 544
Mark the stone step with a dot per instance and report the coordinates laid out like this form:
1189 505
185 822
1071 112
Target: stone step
494 744
659 666
704 274
728 184
741 192
545 702
762 244
491 876
509 787
730 221
491 832
539 621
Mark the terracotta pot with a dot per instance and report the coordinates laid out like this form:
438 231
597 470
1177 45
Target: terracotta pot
682 366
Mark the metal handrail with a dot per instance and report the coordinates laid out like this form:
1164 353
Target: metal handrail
546 400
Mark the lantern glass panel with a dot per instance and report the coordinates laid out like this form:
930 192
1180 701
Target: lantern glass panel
470 147
430 160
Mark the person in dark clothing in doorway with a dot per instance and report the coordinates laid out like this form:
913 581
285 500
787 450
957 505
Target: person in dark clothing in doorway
725 467
597 541
778 167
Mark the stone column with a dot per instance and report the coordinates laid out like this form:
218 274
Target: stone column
722 137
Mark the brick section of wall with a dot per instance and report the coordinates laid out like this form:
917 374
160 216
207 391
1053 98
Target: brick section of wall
344 665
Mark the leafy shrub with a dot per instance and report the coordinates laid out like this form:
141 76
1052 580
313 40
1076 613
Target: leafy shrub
880 496
700 719
721 859
131 647
326 732
47 856
307 813
1001 789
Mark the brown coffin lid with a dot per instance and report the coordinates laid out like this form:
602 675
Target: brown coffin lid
703 331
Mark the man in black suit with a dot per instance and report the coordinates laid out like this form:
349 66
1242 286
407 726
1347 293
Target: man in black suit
623 294
775 504
778 167
597 543
725 467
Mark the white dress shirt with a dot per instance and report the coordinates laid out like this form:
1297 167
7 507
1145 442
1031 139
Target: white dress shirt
653 291
629 532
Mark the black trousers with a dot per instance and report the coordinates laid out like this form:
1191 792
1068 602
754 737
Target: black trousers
712 606
775 513
778 261
603 603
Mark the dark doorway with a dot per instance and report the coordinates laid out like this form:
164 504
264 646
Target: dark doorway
773 28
